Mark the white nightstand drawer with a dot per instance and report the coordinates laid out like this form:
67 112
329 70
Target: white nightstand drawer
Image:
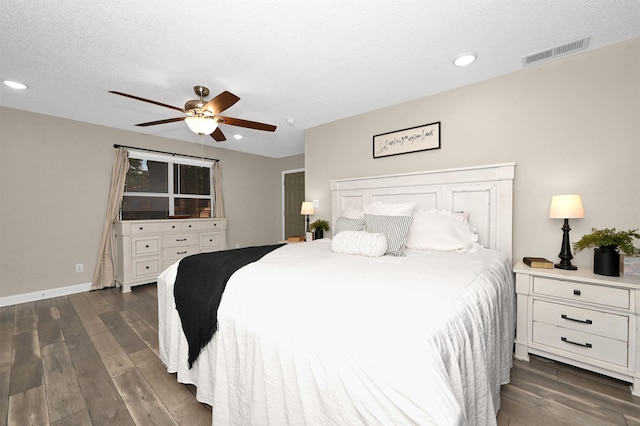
589 293
590 345
586 320
145 246
179 240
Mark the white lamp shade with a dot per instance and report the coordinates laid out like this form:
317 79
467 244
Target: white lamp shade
201 125
307 208
566 207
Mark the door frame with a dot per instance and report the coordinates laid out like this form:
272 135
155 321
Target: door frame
286 172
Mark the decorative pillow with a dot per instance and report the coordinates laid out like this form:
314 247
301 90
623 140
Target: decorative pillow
353 213
388 209
394 228
345 224
360 243
433 230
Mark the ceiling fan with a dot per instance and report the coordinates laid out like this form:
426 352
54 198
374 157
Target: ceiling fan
202 116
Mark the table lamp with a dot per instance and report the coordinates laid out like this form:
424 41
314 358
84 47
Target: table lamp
307 209
566 207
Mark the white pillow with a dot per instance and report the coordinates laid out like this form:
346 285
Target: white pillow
432 230
388 209
346 224
394 228
360 243
352 213
463 215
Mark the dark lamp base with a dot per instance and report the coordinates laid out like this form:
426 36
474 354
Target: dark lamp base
567 267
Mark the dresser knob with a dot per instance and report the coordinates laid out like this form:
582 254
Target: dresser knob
141 228
146 267
576 292
147 246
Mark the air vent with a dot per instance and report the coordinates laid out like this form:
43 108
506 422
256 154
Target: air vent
554 52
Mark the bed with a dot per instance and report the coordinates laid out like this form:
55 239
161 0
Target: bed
310 336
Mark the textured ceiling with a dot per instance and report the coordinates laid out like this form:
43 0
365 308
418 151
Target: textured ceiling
314 61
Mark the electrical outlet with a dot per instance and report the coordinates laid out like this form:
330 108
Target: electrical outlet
79 267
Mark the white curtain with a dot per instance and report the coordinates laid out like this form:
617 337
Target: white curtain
104 274
218 203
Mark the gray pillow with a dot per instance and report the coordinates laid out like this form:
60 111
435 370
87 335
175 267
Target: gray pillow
394 228
345 224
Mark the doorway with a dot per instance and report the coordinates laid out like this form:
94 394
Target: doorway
292 198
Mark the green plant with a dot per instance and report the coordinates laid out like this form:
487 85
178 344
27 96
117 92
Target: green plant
609 237
320 224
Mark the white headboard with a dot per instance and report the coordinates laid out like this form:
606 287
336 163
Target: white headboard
485 192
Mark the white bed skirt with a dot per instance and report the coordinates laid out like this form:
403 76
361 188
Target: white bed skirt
308 336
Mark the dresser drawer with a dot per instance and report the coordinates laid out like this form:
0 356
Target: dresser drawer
210 241
590 345
154 227
175 253
589 293
145 246
200 225
179 240
586 320
143 268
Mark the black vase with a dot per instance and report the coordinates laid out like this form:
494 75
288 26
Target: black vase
606 261
319 233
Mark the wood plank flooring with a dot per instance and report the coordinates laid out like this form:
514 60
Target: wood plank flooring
92 359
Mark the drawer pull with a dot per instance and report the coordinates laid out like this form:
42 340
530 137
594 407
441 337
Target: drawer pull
173 227
189 226
141 228
146 267
181 252
147 246
576 320
584 345
576 292
181 239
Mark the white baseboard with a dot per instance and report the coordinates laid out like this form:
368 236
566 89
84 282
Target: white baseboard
44 294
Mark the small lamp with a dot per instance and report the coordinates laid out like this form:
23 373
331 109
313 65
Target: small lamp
566 207
307 209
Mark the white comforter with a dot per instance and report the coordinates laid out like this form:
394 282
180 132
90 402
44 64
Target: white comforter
308 336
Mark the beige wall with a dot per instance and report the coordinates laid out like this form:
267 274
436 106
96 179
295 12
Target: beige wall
54 184
572 126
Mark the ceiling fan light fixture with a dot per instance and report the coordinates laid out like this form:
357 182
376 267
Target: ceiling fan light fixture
201 125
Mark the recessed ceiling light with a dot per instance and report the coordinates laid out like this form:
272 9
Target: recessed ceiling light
237 136
291 121
14 84
465 59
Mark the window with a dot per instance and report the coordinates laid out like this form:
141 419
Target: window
158 186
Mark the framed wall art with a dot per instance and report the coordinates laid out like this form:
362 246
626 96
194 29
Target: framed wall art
405 141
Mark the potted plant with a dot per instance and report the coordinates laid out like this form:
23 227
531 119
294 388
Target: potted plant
319 226
607 245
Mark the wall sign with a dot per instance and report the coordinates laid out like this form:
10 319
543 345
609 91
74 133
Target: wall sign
413 139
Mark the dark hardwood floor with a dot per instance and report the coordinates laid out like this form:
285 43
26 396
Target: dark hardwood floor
92 358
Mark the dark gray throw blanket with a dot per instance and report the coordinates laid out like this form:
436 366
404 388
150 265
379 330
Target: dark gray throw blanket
198 289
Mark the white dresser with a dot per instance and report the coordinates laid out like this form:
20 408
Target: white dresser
144 248
580 318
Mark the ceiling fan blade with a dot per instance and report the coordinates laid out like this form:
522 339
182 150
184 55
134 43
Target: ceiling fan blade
218 135
153 123
245 123
146 100
221 102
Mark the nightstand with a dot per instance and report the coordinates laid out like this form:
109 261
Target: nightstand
580 318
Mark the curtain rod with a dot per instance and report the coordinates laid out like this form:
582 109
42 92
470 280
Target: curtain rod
115 145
